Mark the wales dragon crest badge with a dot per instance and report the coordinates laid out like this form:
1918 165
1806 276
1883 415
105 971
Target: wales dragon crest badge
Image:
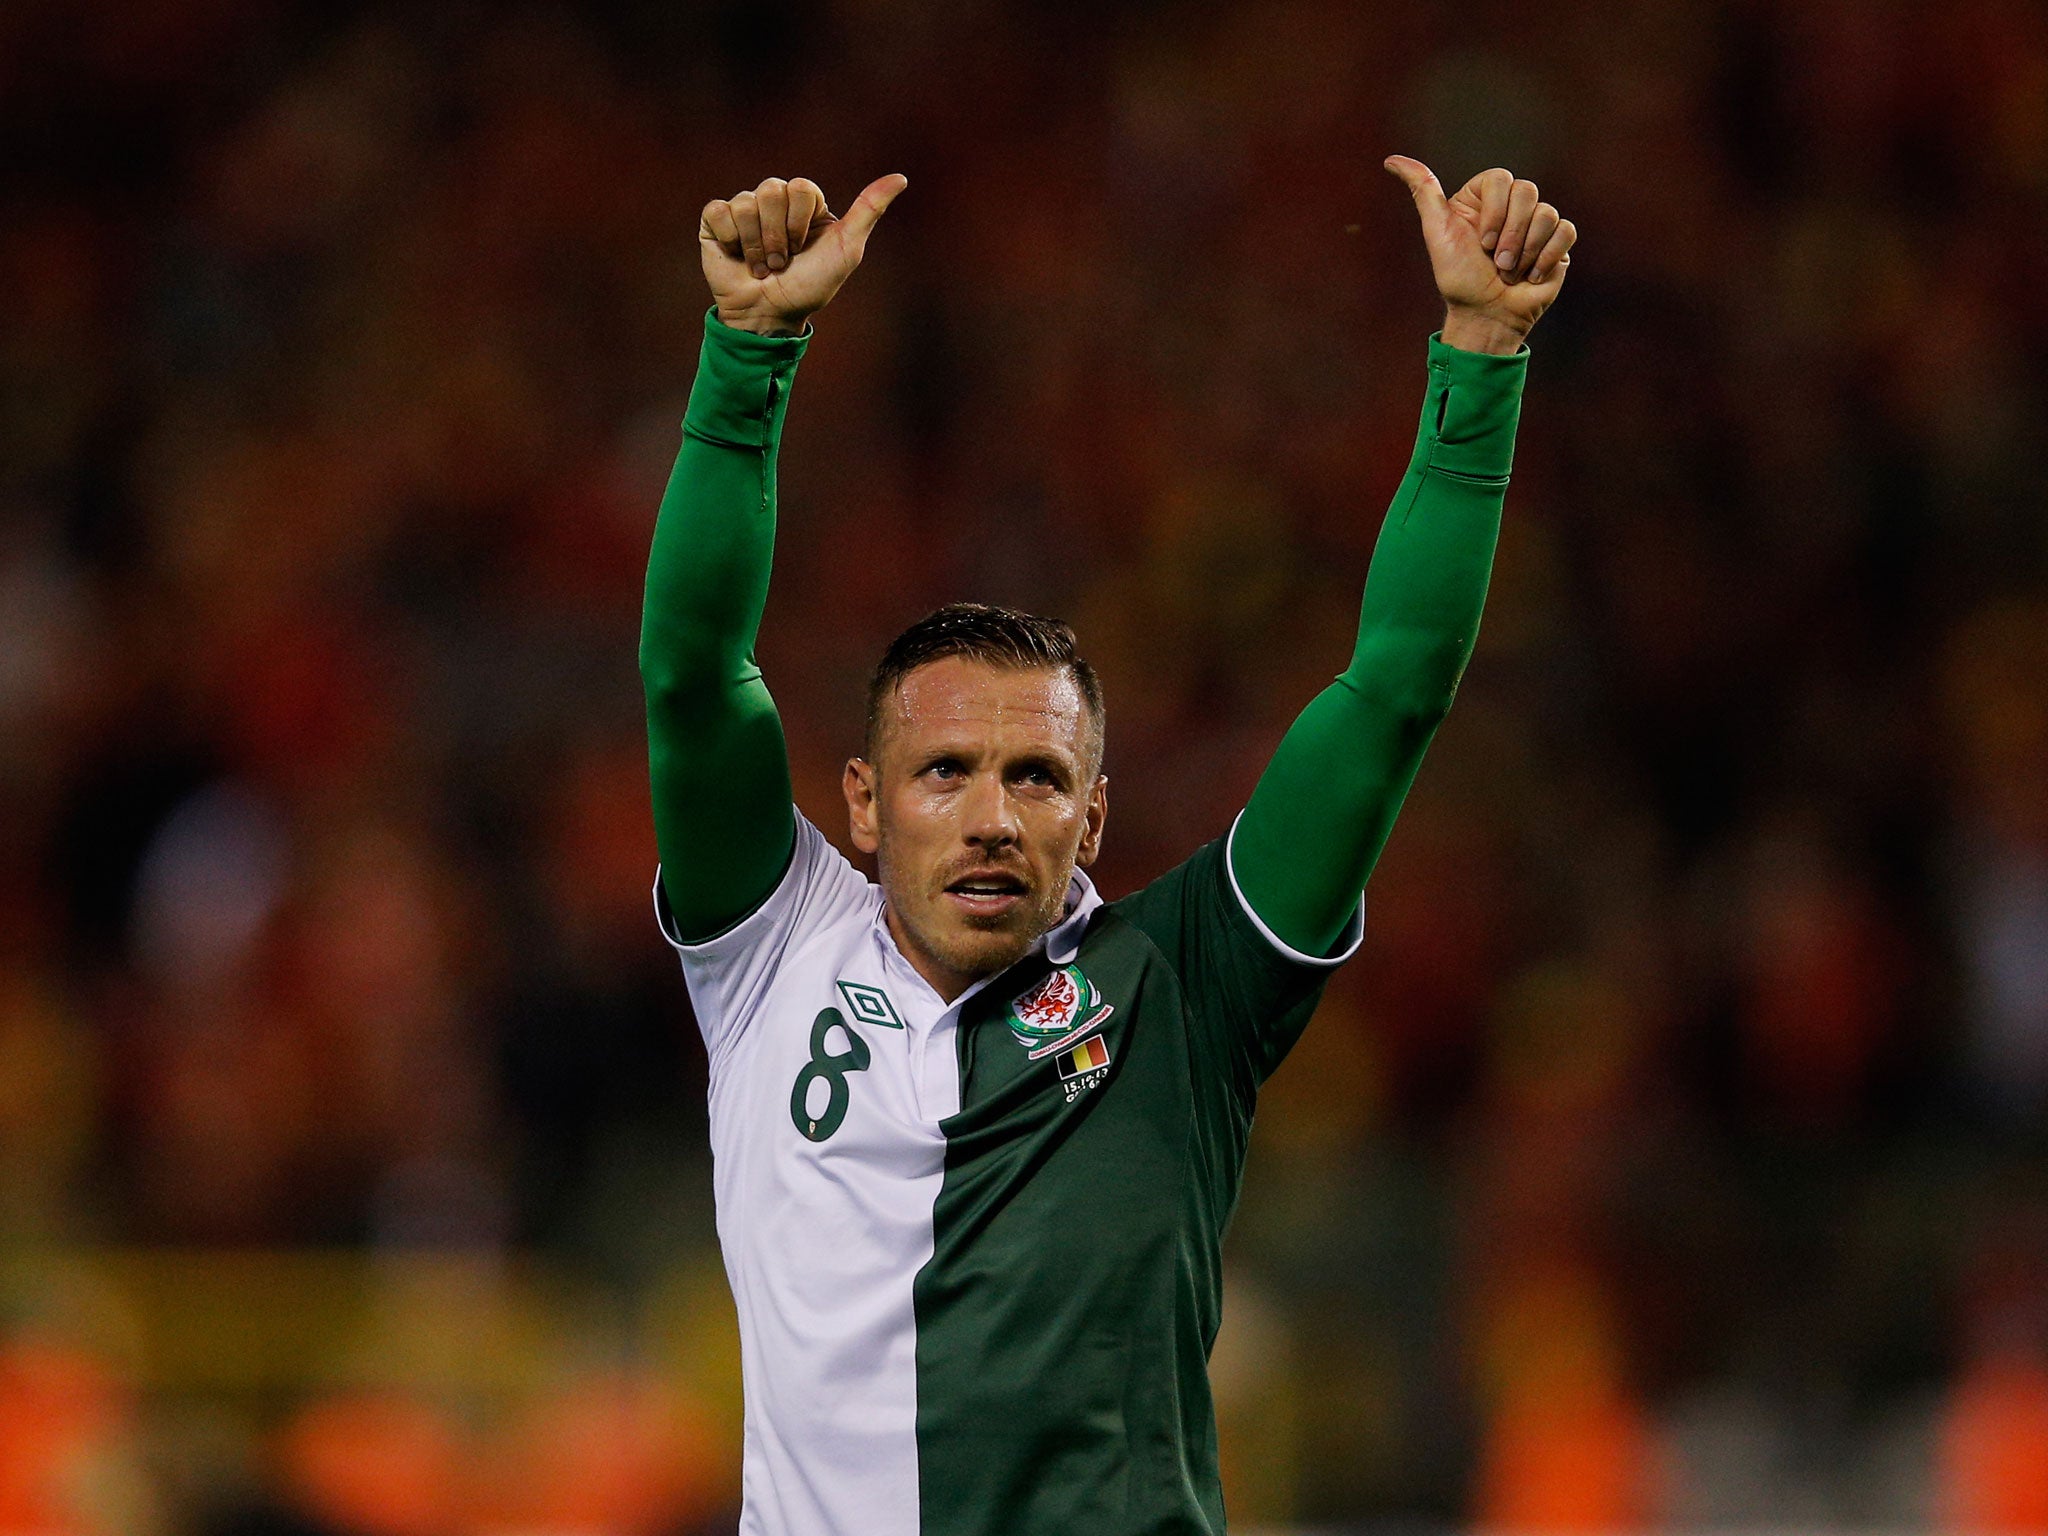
1061 1009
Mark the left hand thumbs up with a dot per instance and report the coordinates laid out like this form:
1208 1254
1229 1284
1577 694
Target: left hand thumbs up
1498 253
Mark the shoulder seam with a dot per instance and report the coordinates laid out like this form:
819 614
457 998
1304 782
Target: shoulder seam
1355 927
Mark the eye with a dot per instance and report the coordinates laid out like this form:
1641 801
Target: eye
1039 776
945 769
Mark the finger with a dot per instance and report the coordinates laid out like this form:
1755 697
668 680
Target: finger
1420 181
872 203
1552 278
1556 252
717 223
772 199
746 212
1514 229
804 202
1490 190
1542 225
1555 256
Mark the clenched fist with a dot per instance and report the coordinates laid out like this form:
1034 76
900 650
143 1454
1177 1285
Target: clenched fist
776 255
1499 254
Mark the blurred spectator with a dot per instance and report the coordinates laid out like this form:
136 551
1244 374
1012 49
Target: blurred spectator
606 1456
374 1466
68 1462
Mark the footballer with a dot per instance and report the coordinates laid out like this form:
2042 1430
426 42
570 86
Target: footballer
977 1130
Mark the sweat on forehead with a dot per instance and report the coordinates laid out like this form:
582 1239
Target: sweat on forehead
958 696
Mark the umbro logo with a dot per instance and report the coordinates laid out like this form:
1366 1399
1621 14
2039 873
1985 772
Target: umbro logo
870 1005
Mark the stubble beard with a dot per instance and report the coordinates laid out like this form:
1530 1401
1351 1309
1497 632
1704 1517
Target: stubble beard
981 946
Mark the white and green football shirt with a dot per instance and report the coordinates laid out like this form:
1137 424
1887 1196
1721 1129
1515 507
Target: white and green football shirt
976 1247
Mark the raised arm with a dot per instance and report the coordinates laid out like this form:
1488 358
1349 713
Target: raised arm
1315 825
722 816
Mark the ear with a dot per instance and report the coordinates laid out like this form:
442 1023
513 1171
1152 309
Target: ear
863 815
1098 813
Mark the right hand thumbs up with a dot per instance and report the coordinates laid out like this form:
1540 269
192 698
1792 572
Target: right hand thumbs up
776 255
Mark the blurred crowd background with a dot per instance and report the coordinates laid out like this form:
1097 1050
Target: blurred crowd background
1672 1156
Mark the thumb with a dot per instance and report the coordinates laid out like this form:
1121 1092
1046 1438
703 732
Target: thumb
872 203
1420 181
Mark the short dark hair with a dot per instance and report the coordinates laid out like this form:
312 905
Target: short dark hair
997 637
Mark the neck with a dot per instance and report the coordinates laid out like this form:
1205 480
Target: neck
945 981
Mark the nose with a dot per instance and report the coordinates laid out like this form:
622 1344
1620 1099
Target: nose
991 820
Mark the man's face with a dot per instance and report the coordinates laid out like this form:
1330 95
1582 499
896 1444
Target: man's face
984 797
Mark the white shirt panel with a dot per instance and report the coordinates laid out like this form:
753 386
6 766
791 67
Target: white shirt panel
823 1239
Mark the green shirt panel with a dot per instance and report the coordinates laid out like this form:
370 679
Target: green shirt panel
1065 1318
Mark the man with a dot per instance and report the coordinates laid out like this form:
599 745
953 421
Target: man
977 1131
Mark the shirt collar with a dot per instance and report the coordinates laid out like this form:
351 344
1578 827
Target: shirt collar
1061 942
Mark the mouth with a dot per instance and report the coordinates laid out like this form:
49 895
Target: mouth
986 894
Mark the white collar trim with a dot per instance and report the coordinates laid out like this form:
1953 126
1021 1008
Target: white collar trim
1063 941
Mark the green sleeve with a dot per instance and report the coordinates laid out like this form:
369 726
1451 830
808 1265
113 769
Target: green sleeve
1316 823
723 820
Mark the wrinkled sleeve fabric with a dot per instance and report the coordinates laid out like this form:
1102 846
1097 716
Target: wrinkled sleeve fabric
724 824
1307 840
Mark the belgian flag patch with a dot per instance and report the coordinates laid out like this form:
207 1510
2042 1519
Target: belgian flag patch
1085 1057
